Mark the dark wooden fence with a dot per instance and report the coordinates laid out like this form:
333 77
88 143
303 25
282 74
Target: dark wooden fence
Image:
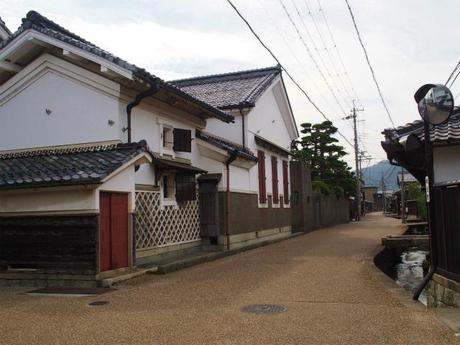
49 243
446 233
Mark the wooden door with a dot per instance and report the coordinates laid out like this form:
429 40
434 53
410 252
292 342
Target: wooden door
209 208
113 238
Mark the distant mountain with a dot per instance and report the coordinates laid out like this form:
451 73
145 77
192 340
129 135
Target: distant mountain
372 175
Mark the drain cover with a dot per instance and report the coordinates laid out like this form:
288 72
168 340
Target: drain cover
264 309
98 303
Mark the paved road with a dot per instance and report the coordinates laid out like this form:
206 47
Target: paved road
326 279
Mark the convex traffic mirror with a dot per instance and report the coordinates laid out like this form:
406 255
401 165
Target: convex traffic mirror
435 103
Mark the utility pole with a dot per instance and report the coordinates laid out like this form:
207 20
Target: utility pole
383 195
403 197
358 173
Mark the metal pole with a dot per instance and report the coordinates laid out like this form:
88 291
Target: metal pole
403 197
429 193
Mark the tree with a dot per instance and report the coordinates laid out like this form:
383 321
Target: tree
320 150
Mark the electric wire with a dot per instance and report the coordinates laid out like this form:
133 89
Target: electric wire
369 63
318 53
283 68
338 53
328 53
302 65
453 72
310 54
453 81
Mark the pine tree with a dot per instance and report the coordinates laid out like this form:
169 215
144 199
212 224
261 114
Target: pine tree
318 148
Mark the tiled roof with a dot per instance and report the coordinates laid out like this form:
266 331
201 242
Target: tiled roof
64 166
230 90
226 145
447 131
39 23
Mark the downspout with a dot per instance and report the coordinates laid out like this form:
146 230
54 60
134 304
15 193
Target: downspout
229 161
243 127
153 88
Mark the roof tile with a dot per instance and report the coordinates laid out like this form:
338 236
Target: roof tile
64 166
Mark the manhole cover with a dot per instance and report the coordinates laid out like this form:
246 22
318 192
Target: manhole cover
98 303
264 309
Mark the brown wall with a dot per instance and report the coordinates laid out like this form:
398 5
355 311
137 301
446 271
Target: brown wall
312 210
246 216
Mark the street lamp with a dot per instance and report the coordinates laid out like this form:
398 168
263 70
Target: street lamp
435 105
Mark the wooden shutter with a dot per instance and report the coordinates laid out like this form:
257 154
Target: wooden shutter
185 187
275 180
286 182
182 140
261 167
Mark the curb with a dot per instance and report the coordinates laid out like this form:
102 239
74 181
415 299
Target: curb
189 262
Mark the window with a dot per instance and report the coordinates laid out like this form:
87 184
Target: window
275 180
185 187
182 140
286 182
168 187
167 137
262 178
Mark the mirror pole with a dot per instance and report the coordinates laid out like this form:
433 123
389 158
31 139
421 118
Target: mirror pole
429 192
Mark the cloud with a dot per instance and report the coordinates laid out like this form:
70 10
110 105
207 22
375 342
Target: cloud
409 42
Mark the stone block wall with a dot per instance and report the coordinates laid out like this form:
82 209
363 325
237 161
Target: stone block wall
443 292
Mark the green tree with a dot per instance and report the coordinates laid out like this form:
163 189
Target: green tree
321 151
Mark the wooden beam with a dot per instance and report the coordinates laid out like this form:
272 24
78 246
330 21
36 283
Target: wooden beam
10 67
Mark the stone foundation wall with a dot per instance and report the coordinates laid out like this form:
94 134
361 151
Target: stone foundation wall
443 292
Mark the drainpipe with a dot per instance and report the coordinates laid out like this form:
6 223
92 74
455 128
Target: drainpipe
242 127
153 88
229 161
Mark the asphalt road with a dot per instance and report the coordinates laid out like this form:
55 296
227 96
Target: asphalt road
325 279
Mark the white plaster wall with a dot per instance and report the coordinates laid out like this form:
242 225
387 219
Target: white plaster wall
229 131
48 201
446 163
147 125
79 114
266 121
123 182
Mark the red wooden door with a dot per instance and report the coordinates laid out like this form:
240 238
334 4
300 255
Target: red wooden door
113 231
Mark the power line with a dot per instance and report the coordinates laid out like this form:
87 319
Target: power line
284 69
451 75
331 60
369 63
302 65
339 55
311 55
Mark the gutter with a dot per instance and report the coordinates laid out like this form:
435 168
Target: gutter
229 161
153 88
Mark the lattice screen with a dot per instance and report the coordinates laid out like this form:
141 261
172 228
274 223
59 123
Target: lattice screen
159 227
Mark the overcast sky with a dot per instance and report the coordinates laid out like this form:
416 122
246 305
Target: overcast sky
409 42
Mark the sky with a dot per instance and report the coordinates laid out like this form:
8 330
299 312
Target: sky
410 43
